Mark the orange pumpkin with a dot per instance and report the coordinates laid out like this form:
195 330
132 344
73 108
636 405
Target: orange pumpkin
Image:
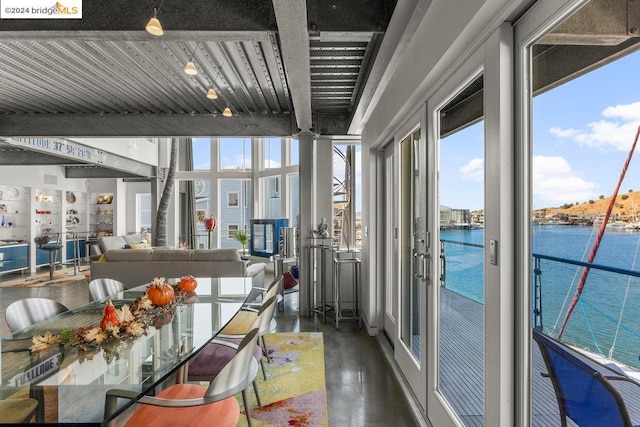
187 283
109 318
160 294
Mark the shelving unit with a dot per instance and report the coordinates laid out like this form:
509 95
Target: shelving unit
14 213
75 224
48 216
14 228
101 214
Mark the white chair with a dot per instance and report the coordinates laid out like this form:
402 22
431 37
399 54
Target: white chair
25 312
103 288
191 404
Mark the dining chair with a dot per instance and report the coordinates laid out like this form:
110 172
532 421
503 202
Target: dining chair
244 319
103 288
194 404
25 312
584 394
208 363
18 410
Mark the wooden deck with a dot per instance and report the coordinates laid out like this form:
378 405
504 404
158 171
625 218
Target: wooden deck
461 367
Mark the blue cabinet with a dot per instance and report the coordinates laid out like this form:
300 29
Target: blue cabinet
81 249
14 258
264 236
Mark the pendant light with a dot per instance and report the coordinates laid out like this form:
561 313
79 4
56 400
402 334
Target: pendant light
227 112
212 94
190 68
154 26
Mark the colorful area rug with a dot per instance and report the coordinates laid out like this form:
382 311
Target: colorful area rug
294 393
61 277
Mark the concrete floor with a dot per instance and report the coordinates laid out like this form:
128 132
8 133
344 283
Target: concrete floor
362 389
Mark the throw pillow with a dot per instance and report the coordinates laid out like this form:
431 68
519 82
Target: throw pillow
140 245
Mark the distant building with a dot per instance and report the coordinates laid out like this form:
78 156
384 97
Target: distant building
454 218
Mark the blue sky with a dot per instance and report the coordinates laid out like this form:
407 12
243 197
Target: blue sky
582 132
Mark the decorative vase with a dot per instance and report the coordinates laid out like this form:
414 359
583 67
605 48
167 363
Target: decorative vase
210 223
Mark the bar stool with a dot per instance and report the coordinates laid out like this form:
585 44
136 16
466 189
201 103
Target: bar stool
88 243
53 248
337 288
323 307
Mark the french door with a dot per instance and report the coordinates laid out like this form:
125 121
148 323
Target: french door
410 237
390 201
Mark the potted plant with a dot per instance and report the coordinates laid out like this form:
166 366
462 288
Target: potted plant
243 238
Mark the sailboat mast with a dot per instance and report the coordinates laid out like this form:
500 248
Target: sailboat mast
596 243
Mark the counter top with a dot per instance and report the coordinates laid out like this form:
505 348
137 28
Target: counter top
4 243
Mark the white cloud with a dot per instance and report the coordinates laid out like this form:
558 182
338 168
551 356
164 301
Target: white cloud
629 112
555 183
473 171
616 131
235 162
272 164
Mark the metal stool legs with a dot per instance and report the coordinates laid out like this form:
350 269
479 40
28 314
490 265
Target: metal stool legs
337 290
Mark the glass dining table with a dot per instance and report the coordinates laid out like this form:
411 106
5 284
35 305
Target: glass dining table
71 382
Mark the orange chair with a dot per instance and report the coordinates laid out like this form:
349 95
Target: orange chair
195 405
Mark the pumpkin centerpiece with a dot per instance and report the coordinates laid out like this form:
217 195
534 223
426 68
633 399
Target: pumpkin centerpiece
187 283
110 317
160 293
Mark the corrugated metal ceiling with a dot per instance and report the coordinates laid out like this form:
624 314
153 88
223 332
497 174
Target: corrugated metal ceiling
103 74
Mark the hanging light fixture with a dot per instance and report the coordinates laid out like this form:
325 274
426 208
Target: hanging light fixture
190 68
212 94
227 112
153 26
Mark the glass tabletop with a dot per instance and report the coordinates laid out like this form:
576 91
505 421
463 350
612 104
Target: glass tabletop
80 377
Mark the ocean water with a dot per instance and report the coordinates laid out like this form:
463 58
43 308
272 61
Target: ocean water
607 318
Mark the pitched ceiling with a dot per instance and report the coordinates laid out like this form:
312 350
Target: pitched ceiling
282 66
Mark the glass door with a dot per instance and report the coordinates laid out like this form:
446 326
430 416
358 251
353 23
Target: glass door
390 245
410 345
457 375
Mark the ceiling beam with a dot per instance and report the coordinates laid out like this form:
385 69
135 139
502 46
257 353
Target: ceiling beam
98 172
136 36
145 125
291 17
19 157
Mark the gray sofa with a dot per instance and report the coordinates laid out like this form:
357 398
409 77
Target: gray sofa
135 267
107 243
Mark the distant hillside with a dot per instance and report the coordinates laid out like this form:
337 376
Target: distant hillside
627 205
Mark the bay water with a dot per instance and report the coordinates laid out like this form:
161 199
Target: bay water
607 318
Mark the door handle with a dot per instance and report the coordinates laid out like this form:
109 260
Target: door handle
416 257
425 266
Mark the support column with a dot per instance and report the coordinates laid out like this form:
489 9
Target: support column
307 214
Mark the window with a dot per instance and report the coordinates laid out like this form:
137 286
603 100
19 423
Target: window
195 156
272 202
235 154
294 153
347 194
143 212
233 230
294 199
232 199
272 153
231 215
